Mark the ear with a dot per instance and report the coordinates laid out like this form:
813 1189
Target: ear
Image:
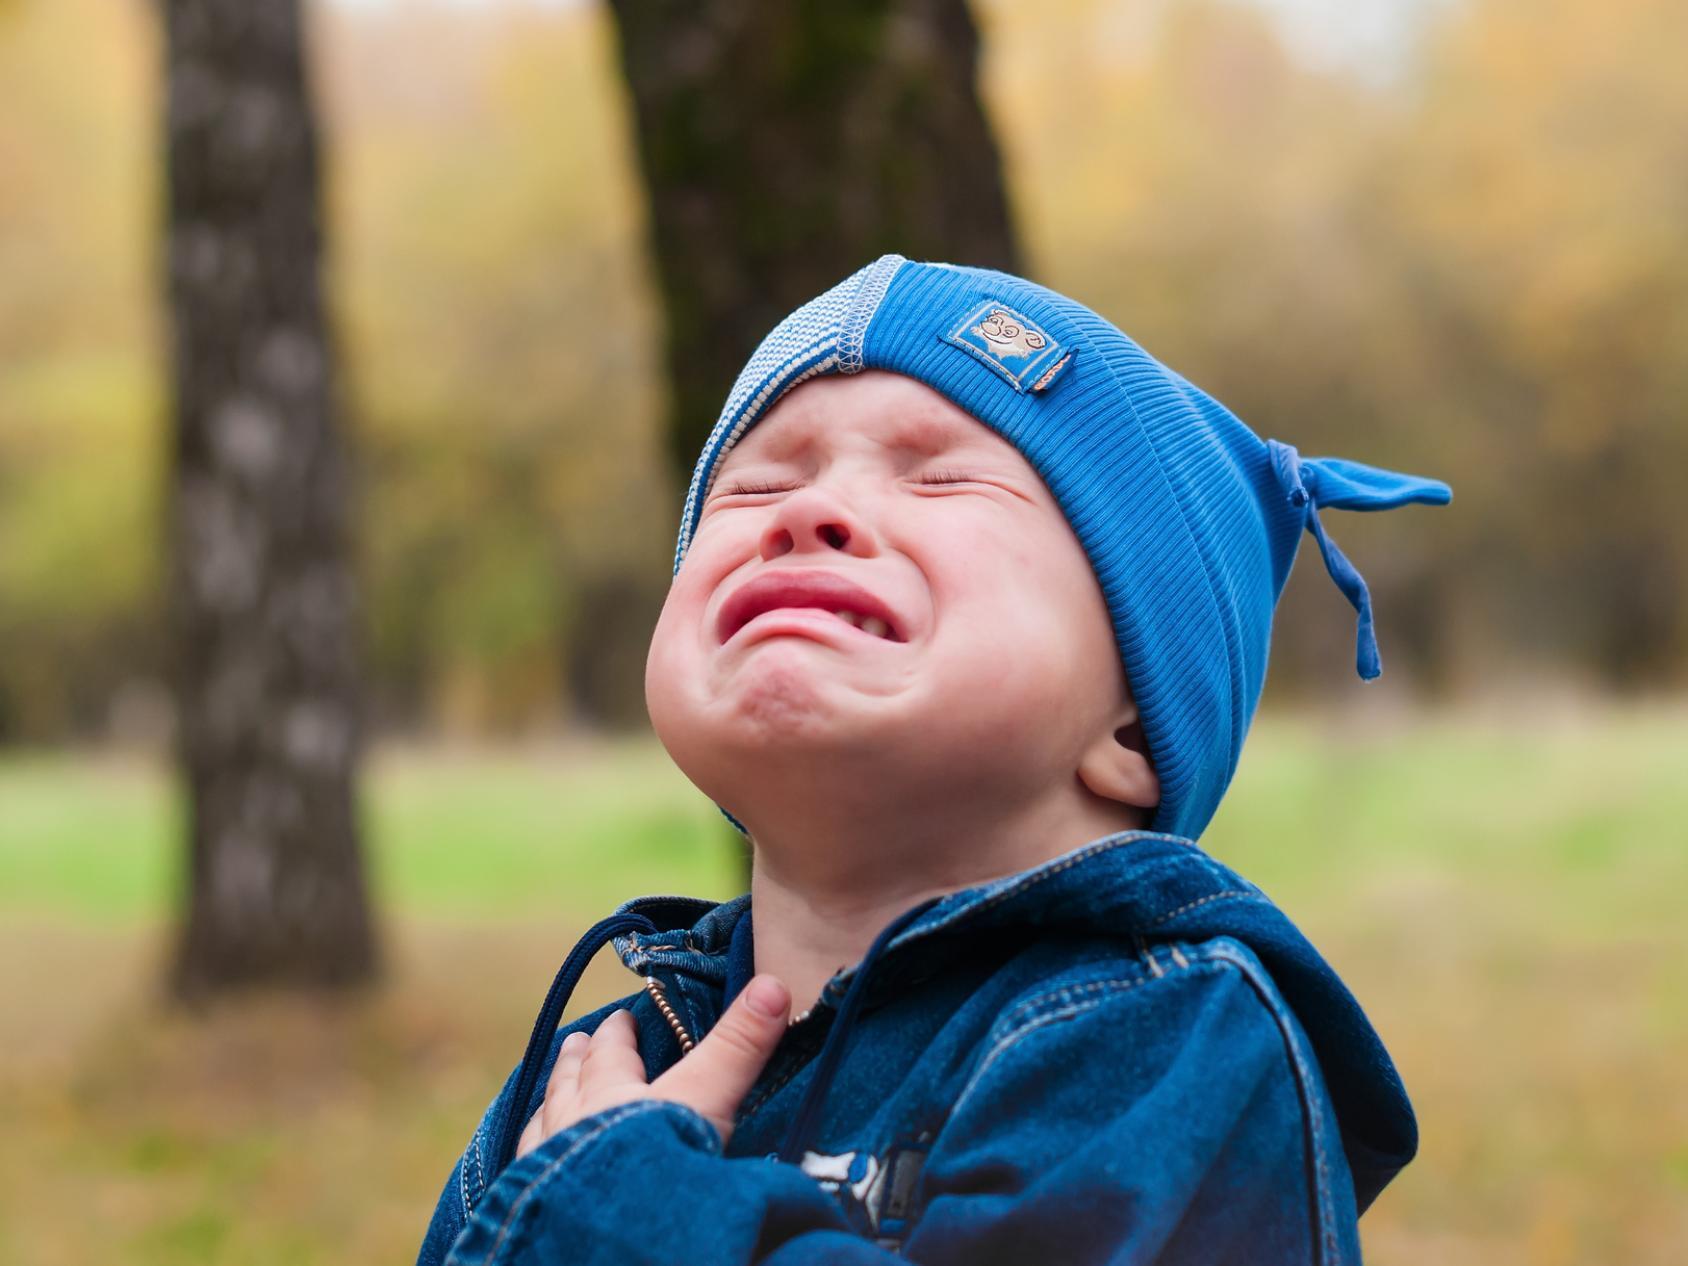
1117 767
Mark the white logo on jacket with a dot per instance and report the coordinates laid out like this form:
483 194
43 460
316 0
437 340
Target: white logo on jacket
882 1188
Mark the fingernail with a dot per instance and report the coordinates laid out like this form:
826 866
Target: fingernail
767 996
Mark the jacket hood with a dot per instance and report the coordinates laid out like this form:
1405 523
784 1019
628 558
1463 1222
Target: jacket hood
1134 884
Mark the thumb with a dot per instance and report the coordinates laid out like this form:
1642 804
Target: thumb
720 1071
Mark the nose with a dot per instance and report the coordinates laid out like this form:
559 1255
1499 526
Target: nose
814 518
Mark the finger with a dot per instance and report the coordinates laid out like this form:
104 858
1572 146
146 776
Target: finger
532 1136
715 1077
612 1057
560 1091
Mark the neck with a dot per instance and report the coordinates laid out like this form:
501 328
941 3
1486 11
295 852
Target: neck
826 884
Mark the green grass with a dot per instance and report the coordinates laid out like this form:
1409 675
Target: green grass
471 834
86 839
1582 819
1599 800
484 835
1506 899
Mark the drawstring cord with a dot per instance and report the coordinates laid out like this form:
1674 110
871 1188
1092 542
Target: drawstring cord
568 976
545 1027
1311 482
832 1051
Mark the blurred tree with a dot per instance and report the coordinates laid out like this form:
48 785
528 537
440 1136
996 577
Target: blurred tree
784 146
513 528
1541 195
1474 270
264 605
80 380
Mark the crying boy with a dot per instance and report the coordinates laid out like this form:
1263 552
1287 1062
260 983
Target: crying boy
969 618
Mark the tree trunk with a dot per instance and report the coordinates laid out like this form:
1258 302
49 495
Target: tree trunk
786 145
264 612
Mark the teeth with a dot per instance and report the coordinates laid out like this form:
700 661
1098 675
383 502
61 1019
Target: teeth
866 623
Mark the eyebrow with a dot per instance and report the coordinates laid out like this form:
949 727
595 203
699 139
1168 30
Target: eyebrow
928 435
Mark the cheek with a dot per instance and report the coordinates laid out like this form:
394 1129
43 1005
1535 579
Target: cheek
1034 624
659 668
726 532
676 663
1002 588
672 657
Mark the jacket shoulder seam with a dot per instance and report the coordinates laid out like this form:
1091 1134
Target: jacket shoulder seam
474 1149
1154 958
1063 1003
1223 955
1030 1003
1243 961
1227 894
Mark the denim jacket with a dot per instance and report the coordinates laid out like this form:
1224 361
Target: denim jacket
1125 1054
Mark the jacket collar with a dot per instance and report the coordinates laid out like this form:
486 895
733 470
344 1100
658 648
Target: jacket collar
1131 882
1136 884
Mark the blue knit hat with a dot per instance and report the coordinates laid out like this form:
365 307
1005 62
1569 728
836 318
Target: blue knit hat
1190 520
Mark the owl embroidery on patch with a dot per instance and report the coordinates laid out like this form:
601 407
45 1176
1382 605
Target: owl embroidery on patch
1007 337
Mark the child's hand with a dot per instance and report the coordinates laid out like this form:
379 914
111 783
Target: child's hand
602 1070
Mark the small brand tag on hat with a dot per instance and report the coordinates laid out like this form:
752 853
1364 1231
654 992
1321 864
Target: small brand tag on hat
1028 357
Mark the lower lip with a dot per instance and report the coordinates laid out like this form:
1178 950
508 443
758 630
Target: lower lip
803 621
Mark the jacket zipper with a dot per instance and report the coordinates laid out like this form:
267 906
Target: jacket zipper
654 988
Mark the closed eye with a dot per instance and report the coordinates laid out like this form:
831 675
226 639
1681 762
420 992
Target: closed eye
755 488
733 490
947 477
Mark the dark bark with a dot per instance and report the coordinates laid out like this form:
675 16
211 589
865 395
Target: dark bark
784 146
264 611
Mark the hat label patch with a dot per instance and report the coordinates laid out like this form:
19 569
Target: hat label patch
1028 357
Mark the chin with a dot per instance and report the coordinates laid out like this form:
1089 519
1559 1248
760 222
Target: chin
782 726
787 694
778 726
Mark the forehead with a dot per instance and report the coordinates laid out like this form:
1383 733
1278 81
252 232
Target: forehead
877 407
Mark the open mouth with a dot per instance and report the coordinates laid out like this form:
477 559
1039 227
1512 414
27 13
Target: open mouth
869 624
809 590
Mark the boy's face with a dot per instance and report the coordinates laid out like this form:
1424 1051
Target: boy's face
875 495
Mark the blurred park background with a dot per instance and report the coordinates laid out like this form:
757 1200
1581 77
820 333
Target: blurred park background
303 797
